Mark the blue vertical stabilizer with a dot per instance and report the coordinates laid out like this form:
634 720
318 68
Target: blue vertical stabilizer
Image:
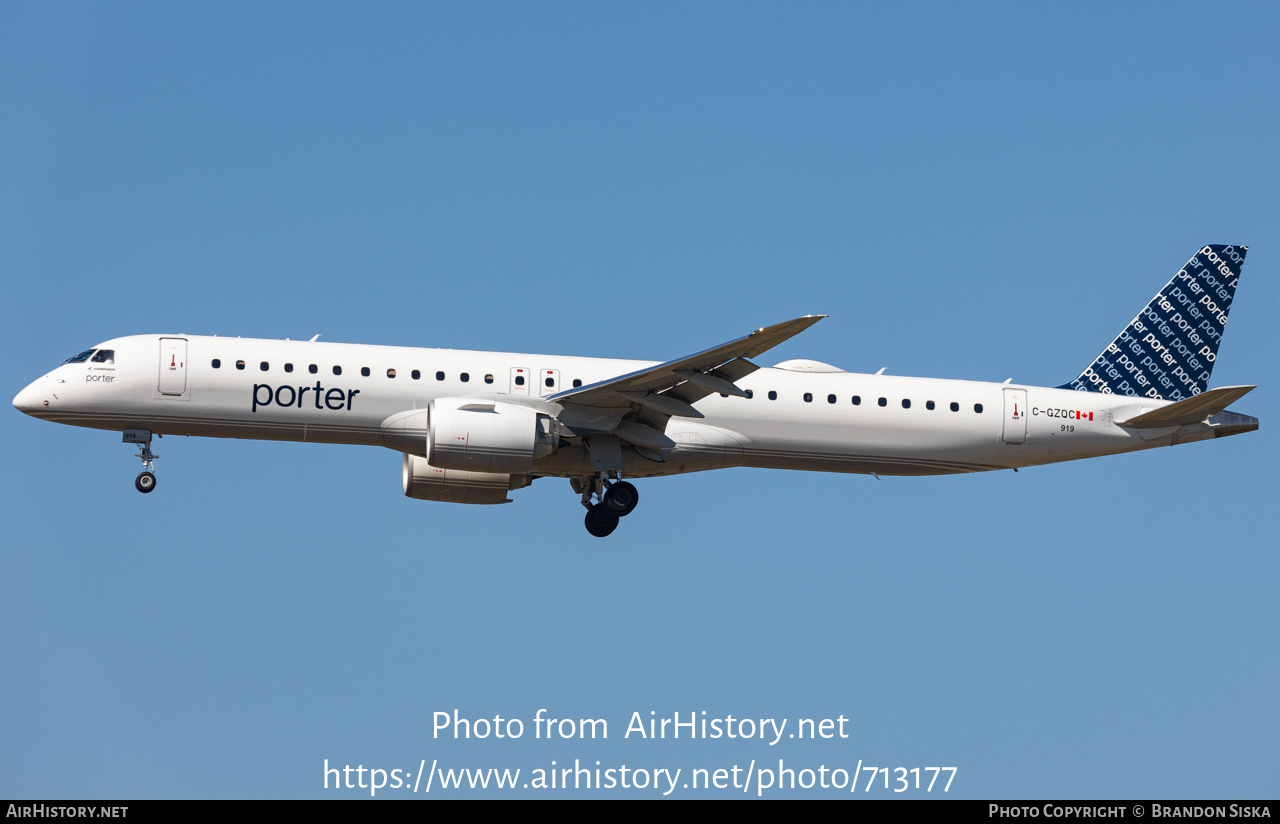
1168 350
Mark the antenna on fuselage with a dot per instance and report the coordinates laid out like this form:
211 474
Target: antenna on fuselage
314 339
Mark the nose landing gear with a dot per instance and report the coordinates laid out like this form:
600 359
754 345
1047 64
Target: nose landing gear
614 500
146 480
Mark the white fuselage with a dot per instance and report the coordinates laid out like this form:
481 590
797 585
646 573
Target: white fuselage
810 420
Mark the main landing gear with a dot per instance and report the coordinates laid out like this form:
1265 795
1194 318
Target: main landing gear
614 500
146 480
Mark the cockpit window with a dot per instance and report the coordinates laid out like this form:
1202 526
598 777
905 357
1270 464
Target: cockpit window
81 358
104 356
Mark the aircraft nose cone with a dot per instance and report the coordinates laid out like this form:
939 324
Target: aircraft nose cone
29 399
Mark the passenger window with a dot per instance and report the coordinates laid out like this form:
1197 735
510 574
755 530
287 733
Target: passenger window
415 374
750 394
576 383
519 380
240 364
264 366
217 364
81 358
288 367
337 370
773 396
955 407
313 369
977 407
391 373
364 371
104 356
831 398
857 400
488 378
808 397
883 402
906 403
439 376
464 377
928 405
550 382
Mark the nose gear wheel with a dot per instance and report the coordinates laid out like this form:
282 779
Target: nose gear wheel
146 480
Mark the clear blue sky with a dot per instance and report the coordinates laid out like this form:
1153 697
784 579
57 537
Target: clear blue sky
973 191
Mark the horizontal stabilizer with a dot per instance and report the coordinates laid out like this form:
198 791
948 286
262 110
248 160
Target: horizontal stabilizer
1192 410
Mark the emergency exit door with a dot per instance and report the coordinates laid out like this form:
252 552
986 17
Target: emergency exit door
520 379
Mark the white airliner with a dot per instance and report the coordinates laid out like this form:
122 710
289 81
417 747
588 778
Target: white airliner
475 425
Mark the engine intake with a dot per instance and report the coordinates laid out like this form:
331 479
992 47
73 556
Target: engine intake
487 436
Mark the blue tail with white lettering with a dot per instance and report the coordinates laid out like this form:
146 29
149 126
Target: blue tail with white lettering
1168 350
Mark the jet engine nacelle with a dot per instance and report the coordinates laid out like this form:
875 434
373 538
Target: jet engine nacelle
487 436
458 486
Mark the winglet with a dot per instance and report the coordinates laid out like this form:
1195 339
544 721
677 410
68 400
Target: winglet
767 337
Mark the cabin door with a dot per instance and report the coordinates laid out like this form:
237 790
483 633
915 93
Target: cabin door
173 366
1015 415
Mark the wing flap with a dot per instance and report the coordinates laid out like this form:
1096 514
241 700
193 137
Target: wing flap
666 404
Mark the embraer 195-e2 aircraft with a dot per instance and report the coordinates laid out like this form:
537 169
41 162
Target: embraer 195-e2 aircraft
475 425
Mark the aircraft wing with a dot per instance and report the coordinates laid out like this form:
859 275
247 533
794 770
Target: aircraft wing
659 392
